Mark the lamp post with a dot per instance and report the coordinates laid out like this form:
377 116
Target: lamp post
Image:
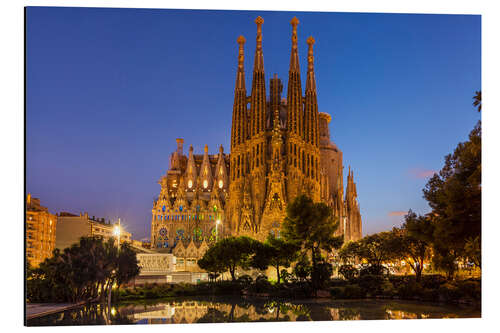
217 230
117 232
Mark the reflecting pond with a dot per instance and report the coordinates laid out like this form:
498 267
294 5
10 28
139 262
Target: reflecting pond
224 310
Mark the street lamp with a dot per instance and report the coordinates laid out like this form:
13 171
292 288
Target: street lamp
217 230
117 231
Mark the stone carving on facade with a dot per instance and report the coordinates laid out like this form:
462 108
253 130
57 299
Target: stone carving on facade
280 148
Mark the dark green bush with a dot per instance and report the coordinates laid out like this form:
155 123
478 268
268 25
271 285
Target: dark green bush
336 282
449 292
245 280
410 290
373 270
432 281
262 284
337 292
353 291
399 280
371 284
349 272
470 289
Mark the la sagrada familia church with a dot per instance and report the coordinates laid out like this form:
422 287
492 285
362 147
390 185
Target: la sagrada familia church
280 148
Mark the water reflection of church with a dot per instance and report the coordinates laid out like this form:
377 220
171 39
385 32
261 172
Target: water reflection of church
280 148
200 311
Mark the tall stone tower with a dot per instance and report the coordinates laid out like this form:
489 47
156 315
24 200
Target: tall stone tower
280 148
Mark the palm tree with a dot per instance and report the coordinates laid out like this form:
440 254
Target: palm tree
477 100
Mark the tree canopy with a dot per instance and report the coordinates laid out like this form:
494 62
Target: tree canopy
455 198
311 226
275 252
84 271
228 254
413 241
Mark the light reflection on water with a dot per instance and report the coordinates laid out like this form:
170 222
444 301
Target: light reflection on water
223 310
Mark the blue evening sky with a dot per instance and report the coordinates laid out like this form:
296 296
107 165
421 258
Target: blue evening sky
109 90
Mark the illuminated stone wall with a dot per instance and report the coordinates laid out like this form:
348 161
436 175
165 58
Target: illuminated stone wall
40 231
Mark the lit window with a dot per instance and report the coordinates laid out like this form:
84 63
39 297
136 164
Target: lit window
205 183
190 183
50 222
221 183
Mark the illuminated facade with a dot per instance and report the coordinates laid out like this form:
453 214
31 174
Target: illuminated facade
72 227
280 148
40 231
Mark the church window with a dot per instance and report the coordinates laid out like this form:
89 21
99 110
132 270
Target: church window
180 234
163 208
180 208
221 183
197 208
190 183
213 235
246 226
163 232
197 234
205 183
215 208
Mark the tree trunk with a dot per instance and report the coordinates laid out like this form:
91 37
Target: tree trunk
313 272
278 273
231 270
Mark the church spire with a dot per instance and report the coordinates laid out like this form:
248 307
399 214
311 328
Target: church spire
258 95
311 103
294 94
238 132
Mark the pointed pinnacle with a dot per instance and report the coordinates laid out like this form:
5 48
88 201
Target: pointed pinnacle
241 40
294 22
310 41
259 21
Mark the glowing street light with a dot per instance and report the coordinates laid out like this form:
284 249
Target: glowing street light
117 230
217 230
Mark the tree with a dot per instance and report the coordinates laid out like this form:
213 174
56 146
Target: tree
275 252
311 226
477 100
413 242
212 264
228 254
128 267
455 198
349 272
349 252
82 272
302 269
473 250
376 249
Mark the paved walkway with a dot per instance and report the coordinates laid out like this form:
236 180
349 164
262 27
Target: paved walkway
34 310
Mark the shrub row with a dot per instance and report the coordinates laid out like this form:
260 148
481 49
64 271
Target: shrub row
430 288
